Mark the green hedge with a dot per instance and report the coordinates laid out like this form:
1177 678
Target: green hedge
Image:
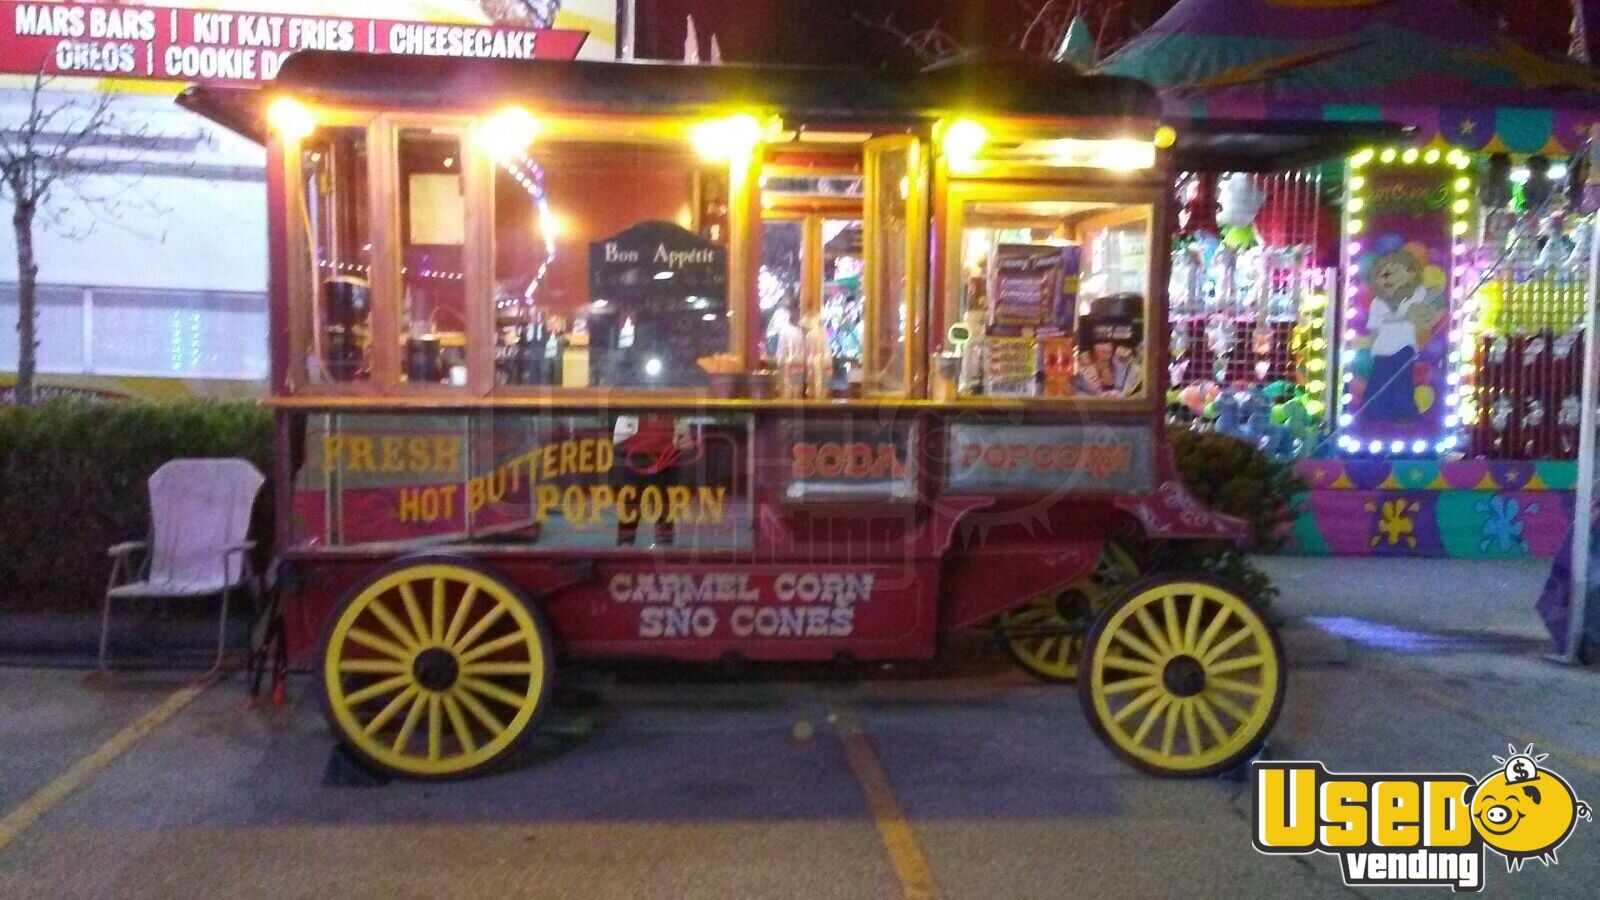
1232 477
72 483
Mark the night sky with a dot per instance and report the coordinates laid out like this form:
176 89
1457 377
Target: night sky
830 31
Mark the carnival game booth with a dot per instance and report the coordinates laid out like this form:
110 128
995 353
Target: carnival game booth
528 410
1440 323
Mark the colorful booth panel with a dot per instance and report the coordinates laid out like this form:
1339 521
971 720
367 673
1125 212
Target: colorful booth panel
1469 510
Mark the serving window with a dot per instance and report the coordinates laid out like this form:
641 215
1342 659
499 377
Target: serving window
433 254
809 285
1047 293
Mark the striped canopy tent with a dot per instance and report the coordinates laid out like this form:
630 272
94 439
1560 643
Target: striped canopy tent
1429 64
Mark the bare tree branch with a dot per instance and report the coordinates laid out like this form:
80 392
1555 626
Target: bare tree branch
71 164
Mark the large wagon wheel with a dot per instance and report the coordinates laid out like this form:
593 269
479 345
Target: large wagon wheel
1045 635
1182 676
435 667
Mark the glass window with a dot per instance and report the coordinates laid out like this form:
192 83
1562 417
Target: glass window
333 172
609 266
1050 298
781 280
893 241
433 237
841 308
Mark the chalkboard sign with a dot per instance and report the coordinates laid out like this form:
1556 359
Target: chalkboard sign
658 302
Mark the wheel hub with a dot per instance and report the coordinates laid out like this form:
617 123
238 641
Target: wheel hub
436 669
1184 676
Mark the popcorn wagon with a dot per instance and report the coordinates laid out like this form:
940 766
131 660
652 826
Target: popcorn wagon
577 360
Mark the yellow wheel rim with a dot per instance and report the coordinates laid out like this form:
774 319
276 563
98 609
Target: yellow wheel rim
434 669
1039 636
1184 676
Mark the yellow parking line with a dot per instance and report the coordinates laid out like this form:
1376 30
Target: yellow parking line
48 797
916 880
1568 756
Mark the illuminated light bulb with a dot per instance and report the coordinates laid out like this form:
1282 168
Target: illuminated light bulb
1166 136
1461 206
1357 182
1432 157
652 367
1460 229
1558 171
1397 446
1520 175
1361 158
1345 419
291 118
1354 248
1463 161
507 134
1463 184
1410 156
1357 204
1419 446
733 137
1388 155
1375 447
963 141
1356 225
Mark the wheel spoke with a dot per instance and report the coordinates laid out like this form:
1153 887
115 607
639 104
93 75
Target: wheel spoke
435 728
1028 615
1169 732
382 613
409 726
498 644
372 642
1044 646
480 712
437 623
392 710
1237 687
1221 701
1191 628
1129 684
1191 728
1064 655
372 666
1227 643
494 692
460 618
477 630
1150 717
1138 703
419 625
1169 613
1212 631
1152 633
458 724
1138 646
1236 665
377 690
1129 665
500 668
1209 717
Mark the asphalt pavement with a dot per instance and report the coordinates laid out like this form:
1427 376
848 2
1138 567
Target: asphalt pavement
986 784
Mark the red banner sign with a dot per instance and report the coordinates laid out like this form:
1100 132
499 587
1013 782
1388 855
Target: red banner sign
227 47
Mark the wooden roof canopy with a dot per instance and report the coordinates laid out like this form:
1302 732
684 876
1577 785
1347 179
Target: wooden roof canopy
978 85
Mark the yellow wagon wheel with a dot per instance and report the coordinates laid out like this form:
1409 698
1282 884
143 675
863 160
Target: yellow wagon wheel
435 668
1045 635
1183 676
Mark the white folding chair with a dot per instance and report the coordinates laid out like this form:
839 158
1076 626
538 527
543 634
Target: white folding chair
199 540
